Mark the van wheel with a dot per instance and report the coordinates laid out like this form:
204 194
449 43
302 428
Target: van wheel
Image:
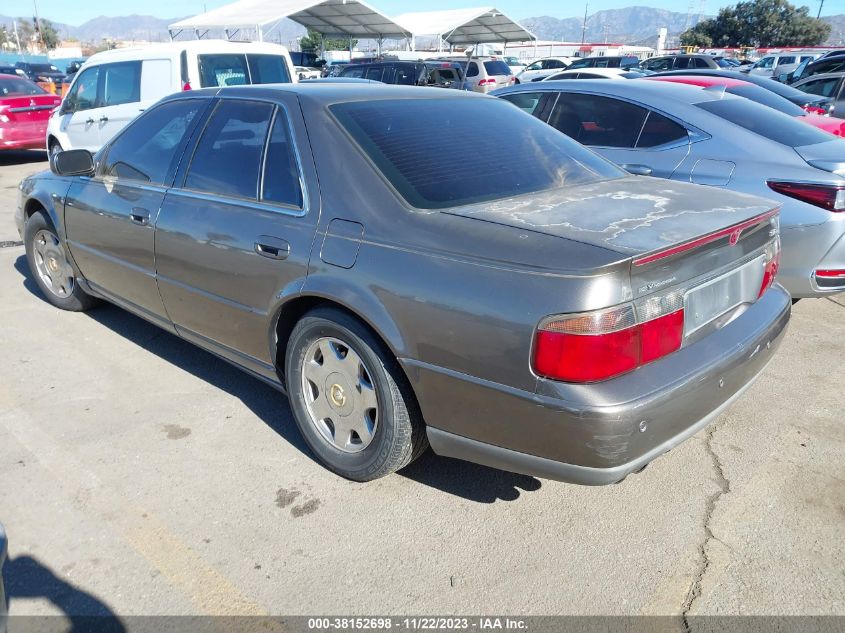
349 397
54 147
50 267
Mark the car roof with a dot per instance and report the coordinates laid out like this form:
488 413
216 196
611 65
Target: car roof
193 46
702 80
636 89
616 72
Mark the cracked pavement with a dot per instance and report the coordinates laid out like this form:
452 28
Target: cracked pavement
143 476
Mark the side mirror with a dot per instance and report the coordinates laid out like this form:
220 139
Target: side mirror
73 162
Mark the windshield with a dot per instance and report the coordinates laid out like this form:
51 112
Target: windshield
396 136
44 68
766 122
13 86
767 98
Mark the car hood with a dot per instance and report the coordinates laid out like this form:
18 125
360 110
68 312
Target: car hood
828 156
631 215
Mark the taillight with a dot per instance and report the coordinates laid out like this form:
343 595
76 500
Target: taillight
487 82
831 274
815 110
186 86
830 197
598 345
771 267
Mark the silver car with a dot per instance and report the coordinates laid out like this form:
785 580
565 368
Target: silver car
711 138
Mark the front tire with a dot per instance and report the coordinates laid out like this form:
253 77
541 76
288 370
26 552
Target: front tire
54 147
50 267
349 397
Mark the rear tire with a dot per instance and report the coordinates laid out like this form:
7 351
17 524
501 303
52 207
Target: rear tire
50 268
349 397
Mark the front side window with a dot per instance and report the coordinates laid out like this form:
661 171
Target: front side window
396 136
786 60
148 149
536 104
659 64
700 62
598 121
374 73
405 75
355 72
766 62
227 159
535 66
821 87
121 83
83 95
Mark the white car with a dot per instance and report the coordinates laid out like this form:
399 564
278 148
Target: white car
114 86
774 65
542 68
304 73
596 73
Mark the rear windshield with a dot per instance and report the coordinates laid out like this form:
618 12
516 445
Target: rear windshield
404 138
43 68
497 68
12 86
235 69
767 98
766 122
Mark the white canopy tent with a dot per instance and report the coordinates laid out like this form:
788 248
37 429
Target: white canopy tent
331 18
465 26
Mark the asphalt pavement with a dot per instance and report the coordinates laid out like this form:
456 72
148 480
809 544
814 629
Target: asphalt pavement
141 475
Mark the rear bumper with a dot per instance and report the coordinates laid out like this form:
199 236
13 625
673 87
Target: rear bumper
598 434
810 248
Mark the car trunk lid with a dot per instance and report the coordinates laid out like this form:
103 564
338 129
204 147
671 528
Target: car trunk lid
828 156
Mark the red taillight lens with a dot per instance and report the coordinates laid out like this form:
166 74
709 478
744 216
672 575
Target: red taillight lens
815 110
606 343
830 197
769 273
487 82
831 274
186 86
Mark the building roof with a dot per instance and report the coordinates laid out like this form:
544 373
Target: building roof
332 18
465 26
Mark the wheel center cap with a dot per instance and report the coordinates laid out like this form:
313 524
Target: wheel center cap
338 397
53 264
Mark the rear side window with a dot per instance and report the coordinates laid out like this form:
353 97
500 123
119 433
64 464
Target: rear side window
700 62
473 70
537 104
821 87
659 130
267 69
786 60
353 71
396 136
227 159
766 122
147 150
222 70
281 171
598 121
374 73
404 75
121 83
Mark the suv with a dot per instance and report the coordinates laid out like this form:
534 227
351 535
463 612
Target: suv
775 65
112 87
680 62
826 65
628 62
485 74
542 68
440 74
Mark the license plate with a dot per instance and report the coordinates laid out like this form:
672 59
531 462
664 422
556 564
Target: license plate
714 298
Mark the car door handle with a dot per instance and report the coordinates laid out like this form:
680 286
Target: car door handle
638 170
272 247
89 121
140 216
104 119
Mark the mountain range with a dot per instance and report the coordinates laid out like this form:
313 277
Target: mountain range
630 25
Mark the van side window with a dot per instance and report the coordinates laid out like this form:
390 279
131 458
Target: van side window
267 69
83 95
222 70
148 149
473 70
227 159
281 171
121 83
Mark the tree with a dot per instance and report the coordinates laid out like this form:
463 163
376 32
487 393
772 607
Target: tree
311 42
761 23
49 34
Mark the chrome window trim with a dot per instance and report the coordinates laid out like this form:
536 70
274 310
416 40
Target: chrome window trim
242 202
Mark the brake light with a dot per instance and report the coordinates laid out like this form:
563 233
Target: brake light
599 345
830 197
487 82
831 274
771 267
186 86
816 110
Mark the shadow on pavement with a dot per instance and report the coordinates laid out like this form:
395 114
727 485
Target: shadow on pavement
22 157
469 481
27 577
462 479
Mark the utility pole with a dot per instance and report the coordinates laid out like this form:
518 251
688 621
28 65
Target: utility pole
584 27
38 27
17 38
821 4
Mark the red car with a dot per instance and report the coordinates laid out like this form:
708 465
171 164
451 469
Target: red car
760 95
24 111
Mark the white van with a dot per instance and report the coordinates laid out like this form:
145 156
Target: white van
114 86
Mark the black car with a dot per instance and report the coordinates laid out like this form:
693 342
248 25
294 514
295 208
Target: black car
41 72
829 86
810 102
9 70
440 74
619 61
823 66
683 62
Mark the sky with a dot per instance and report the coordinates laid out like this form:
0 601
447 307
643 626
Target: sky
77 12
